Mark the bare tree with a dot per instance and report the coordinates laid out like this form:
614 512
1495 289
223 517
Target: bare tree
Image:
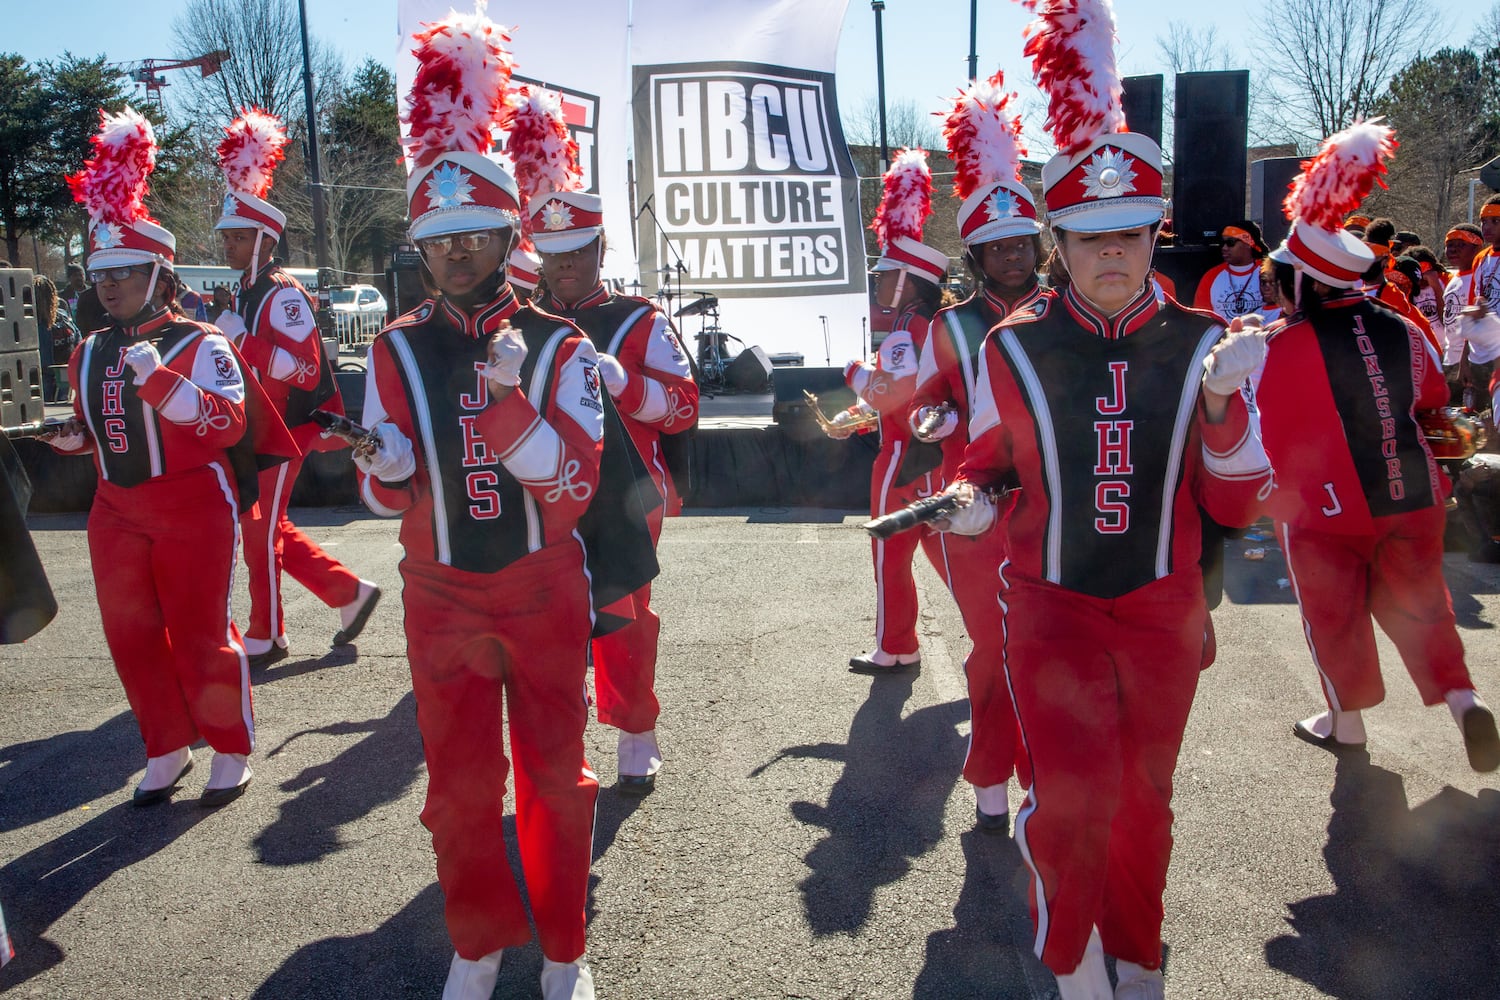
264 70
1487 34
1329 60
906 125
1191 50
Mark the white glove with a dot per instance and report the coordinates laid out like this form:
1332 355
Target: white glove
842 422
507 352
1233 360
613 374
143 360
974 517
947 427
393 461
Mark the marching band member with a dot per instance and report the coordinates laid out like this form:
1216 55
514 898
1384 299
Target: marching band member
1002 248
277 334
646 371
1117 416
909 282
1359 499
489 419
161 404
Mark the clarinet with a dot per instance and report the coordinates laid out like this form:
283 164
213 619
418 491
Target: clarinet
916 513
36 429
361 439
934 420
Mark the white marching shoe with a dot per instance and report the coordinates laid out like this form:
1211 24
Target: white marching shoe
162 775
1138 983
472 979
567 980
1090 981
1333 730
356 613
639 760
228 777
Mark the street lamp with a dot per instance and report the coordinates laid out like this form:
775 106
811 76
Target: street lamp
973 40
878 6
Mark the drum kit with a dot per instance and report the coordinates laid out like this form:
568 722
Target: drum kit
712 355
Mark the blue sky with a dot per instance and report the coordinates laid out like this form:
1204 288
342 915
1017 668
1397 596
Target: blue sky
926 41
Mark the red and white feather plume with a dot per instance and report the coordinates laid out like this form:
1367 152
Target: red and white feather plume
541 148
460 93
252 146
983 138
113 183
1072 49
1345 170
906 201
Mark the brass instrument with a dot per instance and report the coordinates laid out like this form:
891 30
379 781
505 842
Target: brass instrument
1452 432
933 421
42 428
864 422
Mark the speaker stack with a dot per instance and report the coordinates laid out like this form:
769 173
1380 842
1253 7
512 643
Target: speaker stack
750 371
20 362
1142 102
1269 180
1211 122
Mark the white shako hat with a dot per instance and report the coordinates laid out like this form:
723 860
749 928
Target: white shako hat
112 186
984 141
458 98
560 215
248 154
905 205
1103 177
1332 185
525 268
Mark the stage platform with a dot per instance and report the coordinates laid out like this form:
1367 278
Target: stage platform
741 457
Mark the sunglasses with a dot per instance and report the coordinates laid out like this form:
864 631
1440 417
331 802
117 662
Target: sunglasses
436 246
115 273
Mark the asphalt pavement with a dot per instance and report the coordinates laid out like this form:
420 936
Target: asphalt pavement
810 836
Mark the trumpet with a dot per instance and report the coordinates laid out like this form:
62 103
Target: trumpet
363 440
864 422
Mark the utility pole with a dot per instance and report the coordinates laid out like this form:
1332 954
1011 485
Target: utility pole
878 6
314 172
973 40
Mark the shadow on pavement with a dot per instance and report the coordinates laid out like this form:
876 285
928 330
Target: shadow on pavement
1417 891
50 777
376 770
885 809
988 950
338 656
42 886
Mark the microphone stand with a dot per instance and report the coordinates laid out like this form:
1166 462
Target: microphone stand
680 269
827 344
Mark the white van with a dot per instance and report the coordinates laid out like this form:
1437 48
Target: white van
204 279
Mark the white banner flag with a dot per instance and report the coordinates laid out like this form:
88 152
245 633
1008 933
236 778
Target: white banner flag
741 160
577 50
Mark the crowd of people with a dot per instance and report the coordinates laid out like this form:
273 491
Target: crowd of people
1085 427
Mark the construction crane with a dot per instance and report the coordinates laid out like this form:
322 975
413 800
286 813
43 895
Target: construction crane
145 72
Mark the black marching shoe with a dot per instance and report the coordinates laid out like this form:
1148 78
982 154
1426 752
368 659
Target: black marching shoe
151 796
357 613
273 655
985 823
1481 739
869 664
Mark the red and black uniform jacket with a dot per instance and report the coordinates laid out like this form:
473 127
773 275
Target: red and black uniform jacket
1099 421
1338 399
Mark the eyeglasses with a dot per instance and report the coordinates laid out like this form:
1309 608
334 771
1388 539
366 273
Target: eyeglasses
436 246
115 273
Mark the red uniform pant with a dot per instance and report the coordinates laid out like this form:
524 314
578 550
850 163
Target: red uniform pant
895 587
625 661
163 555
1102 692
974 575
274 544
1394 576
509 646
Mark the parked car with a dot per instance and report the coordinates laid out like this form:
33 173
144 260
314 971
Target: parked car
358 313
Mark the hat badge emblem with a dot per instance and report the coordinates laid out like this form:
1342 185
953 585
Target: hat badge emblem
231 206
556 216
107 236
1108 174
1003 205
449 187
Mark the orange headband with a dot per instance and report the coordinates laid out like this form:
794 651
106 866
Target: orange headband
1236 233
1490 212
1464 236
1357 220
1380 249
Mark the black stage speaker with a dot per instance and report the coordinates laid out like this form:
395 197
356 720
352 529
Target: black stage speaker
1209 153
1142 102
750 371
351 379
1269 180
404 290
827 384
